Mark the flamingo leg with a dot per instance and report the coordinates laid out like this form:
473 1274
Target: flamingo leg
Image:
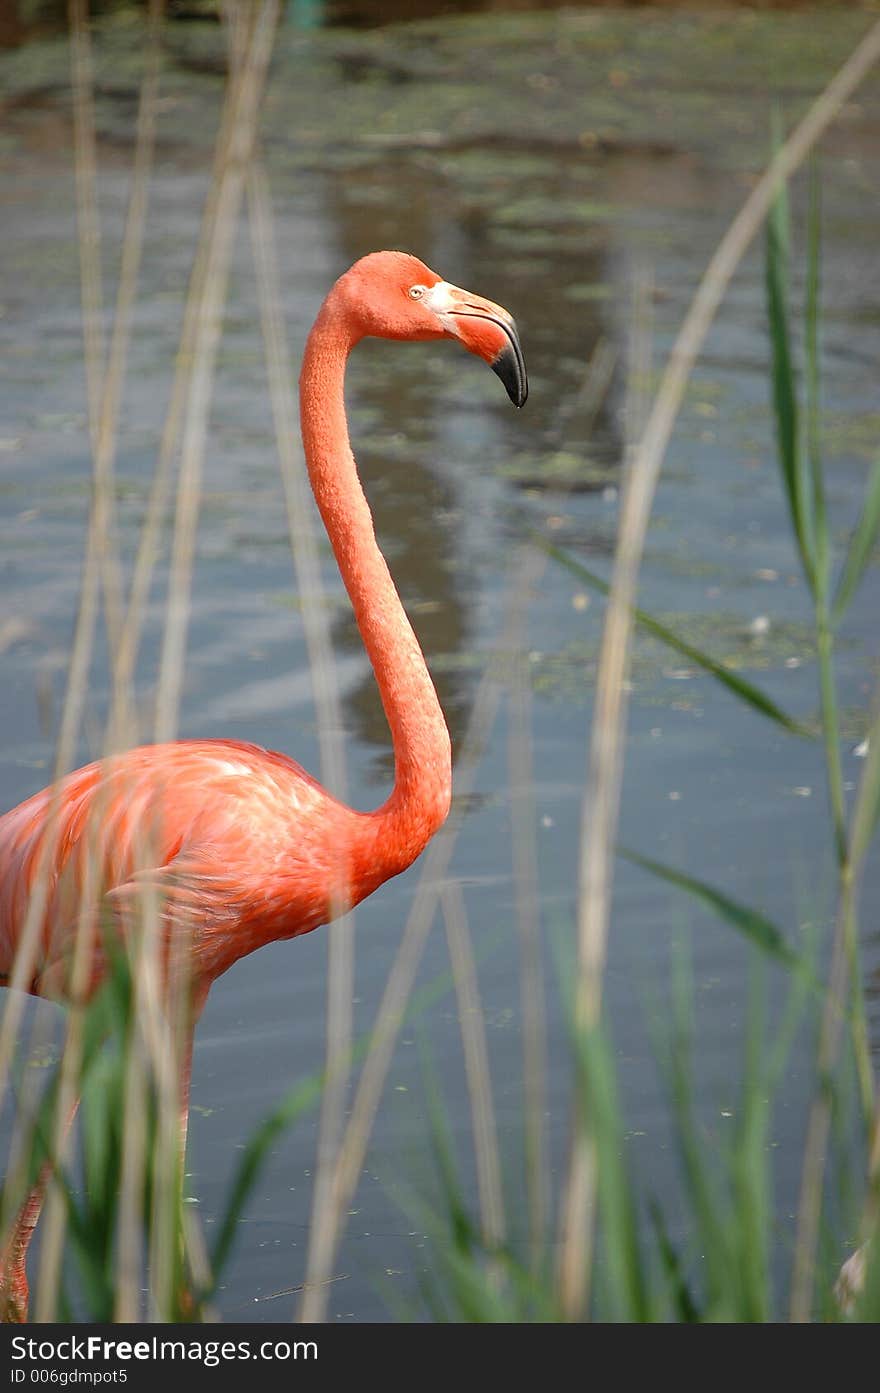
13 1269
14 1289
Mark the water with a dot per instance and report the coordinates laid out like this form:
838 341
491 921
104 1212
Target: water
599 155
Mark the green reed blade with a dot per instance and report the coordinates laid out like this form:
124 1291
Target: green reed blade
622 1266
822 544
861 545
685 1306
753 925
297 1101
784 385
741 688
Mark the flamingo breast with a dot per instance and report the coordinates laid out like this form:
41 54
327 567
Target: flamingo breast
235 838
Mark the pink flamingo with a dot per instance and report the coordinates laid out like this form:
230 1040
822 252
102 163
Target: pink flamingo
245 846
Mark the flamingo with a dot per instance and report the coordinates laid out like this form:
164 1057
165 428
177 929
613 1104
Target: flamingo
245 846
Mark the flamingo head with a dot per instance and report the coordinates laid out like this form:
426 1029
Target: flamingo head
392 295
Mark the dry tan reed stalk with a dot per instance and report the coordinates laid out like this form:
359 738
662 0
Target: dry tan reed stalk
525 879
103 396
104 434
54 1223
339 1027
210 254
304 546
235 147
599 812
646 467
103 413
149 545
190 395
180 395
104 446
240 117
297 494
88 226
245 93
398 987
102 400
77 687
117 359
476 1059
91 301
528 567
584 404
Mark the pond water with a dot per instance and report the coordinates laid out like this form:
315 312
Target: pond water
603 151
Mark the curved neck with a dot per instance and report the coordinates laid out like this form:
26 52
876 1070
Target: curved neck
422 761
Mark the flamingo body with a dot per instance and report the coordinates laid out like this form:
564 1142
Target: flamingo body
242 845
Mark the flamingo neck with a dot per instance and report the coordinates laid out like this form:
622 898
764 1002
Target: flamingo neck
397 832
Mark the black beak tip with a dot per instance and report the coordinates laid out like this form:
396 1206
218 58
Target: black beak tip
509 366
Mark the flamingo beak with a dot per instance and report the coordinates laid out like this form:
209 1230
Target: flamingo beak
511 367
485 329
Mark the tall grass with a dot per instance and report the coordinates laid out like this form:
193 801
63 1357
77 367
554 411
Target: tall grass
628 1267
597 1245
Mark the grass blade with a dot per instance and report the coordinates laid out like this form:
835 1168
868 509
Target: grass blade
685 1307
623 1265
749 1172
866 813
821 540
861 545
749 922
303 1096
785 403
674 1049
746 691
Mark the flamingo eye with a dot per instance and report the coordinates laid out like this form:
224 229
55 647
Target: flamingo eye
417 291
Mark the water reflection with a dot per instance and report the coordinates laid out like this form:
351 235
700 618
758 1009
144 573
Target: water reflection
369 14
421 413
415 503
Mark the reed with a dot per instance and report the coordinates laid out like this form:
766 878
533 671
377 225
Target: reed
598 1245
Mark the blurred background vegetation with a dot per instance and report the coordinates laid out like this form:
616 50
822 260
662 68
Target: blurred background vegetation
21 19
